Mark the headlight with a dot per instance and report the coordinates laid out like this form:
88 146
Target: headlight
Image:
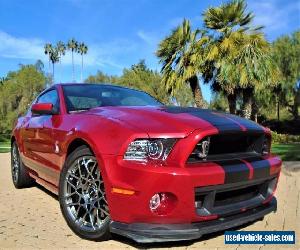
144 149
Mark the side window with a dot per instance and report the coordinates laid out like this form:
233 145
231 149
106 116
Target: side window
50 97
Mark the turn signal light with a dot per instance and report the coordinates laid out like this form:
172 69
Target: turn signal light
122 191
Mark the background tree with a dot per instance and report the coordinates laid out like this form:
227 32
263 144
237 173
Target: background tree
228 17
219 102
17 92
101 77
181 55
238 56
47 49
54 58
247 67
139 76
221 22
53 55
73 46
61 49
39 65
286 53
82 49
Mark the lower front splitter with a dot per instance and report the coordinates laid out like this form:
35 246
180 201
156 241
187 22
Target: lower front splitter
147 233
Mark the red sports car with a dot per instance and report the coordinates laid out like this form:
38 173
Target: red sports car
123 163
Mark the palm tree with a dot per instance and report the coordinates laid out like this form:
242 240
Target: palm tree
54 58
228 17
239 55
181 55
61 49
224 22
249 67
47 49
82 49
73 46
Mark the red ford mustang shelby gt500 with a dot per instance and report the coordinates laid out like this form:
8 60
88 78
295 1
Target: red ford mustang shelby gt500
123 163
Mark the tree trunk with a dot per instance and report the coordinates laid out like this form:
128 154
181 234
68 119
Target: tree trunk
278 107
53 73
296 105
232 102
254 111
49 66
73 67
247 102
197 93
60 70
81 67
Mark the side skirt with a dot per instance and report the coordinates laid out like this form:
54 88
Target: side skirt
44 183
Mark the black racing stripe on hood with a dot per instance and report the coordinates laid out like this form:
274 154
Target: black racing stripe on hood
250 125
220 122
235 171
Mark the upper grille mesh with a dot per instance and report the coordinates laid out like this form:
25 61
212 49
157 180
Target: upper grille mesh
228 146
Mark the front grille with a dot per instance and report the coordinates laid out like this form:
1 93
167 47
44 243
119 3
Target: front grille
238 195
229 146
231 198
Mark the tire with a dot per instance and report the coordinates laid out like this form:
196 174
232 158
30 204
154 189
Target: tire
82 196
20 176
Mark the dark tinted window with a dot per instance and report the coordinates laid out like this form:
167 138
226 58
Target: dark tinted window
82 97
50 96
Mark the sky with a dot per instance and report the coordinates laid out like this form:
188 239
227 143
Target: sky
118 32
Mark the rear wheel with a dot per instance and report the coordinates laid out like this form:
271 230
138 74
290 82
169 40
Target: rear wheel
20 176
82 196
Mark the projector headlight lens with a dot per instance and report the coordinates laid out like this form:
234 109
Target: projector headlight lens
145 149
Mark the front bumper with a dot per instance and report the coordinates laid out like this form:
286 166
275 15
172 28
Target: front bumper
147 233
183 182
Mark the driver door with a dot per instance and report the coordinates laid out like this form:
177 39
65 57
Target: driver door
38 146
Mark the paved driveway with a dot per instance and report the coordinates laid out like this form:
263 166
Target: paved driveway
31 218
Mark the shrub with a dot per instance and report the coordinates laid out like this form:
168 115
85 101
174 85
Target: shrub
285 138
4 137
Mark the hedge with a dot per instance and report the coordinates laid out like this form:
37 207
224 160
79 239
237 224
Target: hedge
285 138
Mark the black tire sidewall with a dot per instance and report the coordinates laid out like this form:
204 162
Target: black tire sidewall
23 180
99 235
13 146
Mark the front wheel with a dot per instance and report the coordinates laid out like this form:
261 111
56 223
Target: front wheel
19 173
82 196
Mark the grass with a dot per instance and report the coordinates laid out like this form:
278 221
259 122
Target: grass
287 152
4 146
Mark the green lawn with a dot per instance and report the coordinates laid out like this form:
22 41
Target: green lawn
287 152
4 146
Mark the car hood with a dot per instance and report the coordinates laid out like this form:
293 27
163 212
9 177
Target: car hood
176 120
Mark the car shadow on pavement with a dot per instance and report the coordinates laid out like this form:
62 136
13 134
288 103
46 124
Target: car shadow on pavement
54 196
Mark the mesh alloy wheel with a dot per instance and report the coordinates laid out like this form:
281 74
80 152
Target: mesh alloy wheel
84 195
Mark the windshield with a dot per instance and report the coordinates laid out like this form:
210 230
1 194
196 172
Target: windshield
86 96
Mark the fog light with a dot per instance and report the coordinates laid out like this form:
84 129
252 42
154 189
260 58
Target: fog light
162 203
154 202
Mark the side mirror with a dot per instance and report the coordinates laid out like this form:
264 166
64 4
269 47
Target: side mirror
43 109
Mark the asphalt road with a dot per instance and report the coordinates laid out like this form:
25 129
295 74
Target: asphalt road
31 218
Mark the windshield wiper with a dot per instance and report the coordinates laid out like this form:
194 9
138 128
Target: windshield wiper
79 110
